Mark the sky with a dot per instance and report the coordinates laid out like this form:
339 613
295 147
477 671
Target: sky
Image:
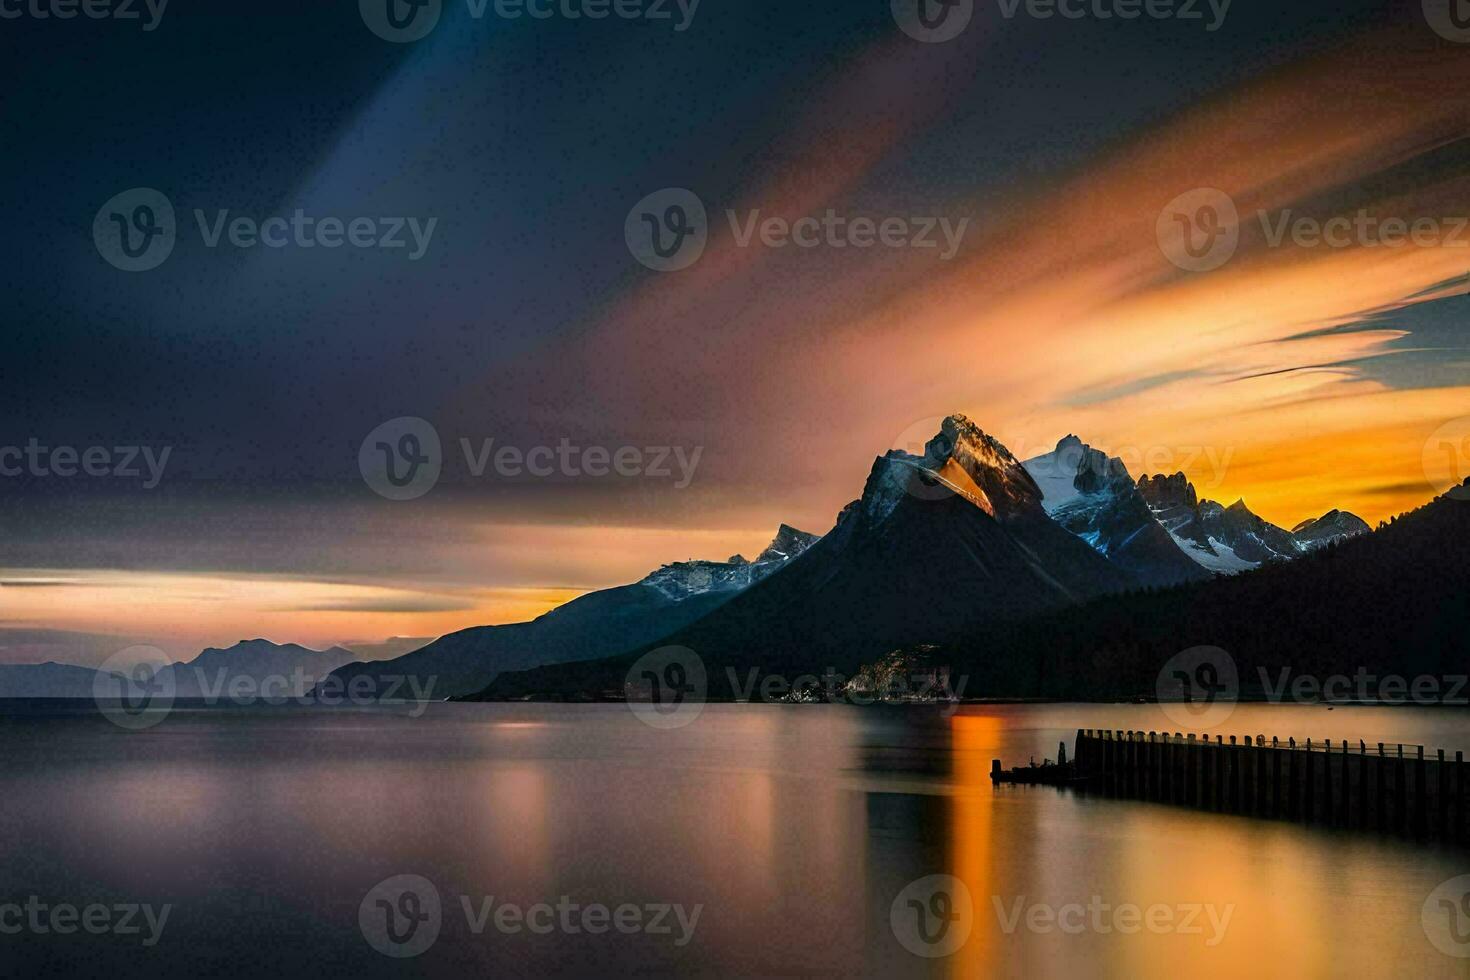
654 416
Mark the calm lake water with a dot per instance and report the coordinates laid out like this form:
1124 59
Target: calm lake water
791 830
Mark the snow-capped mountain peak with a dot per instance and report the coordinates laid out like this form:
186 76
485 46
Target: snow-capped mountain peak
1092 495
681 580
960 460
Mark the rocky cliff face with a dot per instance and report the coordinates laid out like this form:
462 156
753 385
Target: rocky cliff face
1092 495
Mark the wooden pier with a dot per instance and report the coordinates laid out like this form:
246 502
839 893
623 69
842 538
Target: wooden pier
1389 789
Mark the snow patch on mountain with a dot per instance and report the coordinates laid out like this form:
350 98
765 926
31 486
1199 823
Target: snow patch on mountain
1092 495
682 580
1233 539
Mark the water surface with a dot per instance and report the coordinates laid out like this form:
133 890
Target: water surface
793 828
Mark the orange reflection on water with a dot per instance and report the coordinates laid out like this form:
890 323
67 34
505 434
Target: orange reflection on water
976 740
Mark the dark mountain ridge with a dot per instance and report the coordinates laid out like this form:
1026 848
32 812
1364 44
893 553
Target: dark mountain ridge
592 625
1390 602
937 546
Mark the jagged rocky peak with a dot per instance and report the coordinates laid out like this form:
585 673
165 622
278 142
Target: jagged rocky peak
1168 491
1074 470
788 543
963 460
1083 468
683 579
1092 495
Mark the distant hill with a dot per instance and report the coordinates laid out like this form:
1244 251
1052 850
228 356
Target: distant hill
48 680
293 670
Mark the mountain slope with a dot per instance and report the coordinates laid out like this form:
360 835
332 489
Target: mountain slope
1094 497
596 624
937 545
1390 602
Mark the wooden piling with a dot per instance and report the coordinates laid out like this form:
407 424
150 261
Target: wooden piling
1381 785
1326 783
1401 818
1292 797
1274 807
1421 795
1459 829
1362 785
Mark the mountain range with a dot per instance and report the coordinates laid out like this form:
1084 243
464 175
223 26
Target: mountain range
959 542
962 543
291 670
1232 539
